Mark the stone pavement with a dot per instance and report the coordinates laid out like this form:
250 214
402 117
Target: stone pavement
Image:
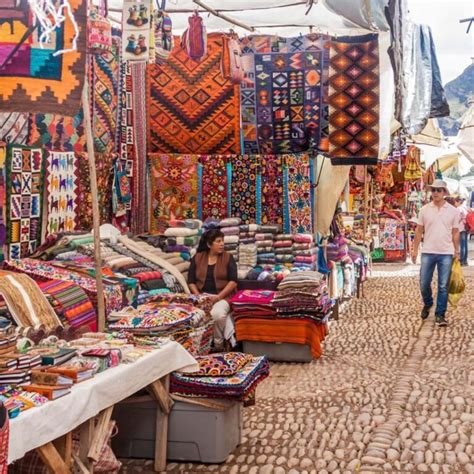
390 394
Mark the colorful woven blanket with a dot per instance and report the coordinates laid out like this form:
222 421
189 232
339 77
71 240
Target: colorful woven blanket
281 94
174 188
61 191
24 185
34 79
192 108
354 100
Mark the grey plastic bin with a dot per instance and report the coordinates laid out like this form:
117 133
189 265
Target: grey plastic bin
195 433
279 351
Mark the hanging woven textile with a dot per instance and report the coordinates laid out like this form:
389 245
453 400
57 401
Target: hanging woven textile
24 189
194 39
99 35
164 41
40 75
244 191
354 100
413 169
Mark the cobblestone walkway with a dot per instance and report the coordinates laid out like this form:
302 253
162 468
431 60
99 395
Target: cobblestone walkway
391 393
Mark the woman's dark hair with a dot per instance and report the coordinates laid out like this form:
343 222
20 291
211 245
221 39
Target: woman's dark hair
208 238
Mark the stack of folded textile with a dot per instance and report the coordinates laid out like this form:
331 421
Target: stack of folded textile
247 259
253 303
303 295
283 247
231 231
305 252
230 375
265 250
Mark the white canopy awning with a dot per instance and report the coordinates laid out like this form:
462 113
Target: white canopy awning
272 16
465 138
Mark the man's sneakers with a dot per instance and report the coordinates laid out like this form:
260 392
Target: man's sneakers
425 312
441 320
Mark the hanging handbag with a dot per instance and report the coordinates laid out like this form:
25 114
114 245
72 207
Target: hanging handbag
232 65
99 29
194 39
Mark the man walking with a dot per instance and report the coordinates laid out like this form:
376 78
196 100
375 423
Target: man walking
438 225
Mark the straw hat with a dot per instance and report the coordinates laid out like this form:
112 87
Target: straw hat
438 183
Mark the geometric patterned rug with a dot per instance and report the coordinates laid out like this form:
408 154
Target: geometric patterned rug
34 79
281 95
24 185
62 185
354 100
192 108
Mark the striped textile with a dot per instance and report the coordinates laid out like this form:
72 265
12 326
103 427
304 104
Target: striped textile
75 305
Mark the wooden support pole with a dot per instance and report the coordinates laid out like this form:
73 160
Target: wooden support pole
95 208
161 431
224 17
366 204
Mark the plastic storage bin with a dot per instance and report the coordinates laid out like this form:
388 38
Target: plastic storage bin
279 351
195 433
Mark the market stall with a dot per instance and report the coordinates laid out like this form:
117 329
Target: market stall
134 116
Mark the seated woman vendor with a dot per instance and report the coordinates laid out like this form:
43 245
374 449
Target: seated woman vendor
214 271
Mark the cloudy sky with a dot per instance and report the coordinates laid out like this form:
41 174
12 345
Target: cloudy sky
454 46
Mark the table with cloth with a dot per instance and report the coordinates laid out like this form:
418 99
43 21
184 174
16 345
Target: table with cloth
48 428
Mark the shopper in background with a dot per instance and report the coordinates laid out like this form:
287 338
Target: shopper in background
459 204
213 271
438 226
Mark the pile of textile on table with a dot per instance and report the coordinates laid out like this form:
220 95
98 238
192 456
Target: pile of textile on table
230 375
169 315
297 313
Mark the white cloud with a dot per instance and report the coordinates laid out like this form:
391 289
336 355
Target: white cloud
454 46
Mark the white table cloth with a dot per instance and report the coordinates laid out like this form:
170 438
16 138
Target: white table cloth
38 426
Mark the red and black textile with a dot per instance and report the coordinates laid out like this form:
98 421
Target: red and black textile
354 100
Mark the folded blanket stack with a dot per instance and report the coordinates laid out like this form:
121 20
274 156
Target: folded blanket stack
231 376
283 247
305 252
253 303
182 237
305 295
264 240
231 230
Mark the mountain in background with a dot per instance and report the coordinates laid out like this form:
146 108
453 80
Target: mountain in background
458 93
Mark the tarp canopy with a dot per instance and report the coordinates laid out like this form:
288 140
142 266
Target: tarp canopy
329 16
465 138
430 135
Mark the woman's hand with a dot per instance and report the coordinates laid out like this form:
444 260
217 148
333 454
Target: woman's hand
215 299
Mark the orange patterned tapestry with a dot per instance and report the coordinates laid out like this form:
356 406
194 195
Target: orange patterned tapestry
192 108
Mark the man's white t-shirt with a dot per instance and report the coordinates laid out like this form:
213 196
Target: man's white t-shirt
438 223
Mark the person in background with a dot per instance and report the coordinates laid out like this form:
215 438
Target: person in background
214 271
459 203
438 226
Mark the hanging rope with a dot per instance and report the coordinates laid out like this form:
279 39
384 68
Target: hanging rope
49 16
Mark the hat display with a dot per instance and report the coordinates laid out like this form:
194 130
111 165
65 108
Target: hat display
438 183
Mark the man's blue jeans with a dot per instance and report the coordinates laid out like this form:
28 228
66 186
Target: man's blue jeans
428 263
463 239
